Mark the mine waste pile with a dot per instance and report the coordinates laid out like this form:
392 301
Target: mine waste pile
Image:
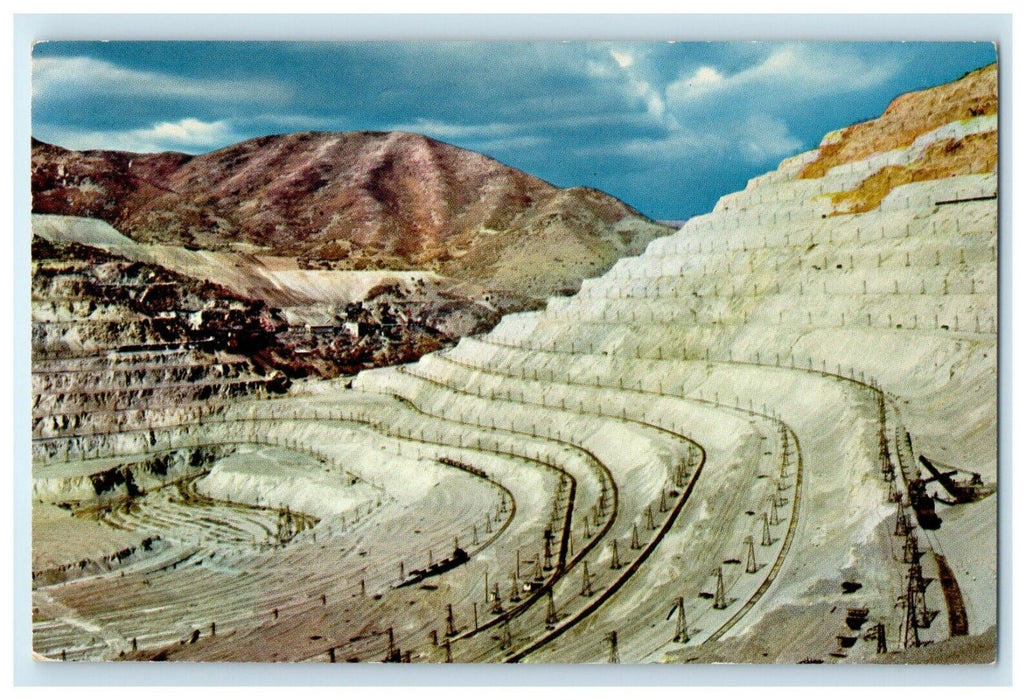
769 438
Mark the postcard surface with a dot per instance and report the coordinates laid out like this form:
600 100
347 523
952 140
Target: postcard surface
487 352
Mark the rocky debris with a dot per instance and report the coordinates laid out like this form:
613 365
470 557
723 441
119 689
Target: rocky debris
141 340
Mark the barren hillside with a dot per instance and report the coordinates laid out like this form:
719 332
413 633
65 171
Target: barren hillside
359 200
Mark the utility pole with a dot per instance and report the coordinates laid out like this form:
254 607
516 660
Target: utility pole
719 592
586 579
450 623
681 632
551 618
910 636
923 615
912 554
393 655
635 544
904 525
649 517
615 560
774 519
448 650
783 438
751 559
496 601
514 590
614 654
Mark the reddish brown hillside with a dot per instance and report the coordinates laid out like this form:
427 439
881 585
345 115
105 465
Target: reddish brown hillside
361 199
909 116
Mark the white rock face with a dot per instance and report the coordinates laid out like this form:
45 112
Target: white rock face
722 421
770 304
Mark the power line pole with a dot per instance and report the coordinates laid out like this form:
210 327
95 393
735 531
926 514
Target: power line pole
615 560
496 601
614 654
681 632
393 655
719 592
586 579
551 618
751 559
450 623
903 525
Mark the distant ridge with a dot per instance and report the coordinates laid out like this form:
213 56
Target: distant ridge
358 200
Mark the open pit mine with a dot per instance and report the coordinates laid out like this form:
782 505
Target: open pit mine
770 438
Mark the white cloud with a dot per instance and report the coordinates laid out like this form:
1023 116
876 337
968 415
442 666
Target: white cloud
79 75
672 146
446 130
802 68
495 136
632 70
705 78
764 137
623 58
188 135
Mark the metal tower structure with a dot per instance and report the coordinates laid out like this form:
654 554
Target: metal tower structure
681 632
615 560
586 579
551 618
751 559
719 592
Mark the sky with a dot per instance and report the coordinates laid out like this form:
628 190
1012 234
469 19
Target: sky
666 127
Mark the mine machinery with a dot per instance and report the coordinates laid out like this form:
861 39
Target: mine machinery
923 504
458 557
961 492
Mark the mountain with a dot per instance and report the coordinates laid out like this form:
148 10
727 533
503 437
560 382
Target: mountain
359 200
